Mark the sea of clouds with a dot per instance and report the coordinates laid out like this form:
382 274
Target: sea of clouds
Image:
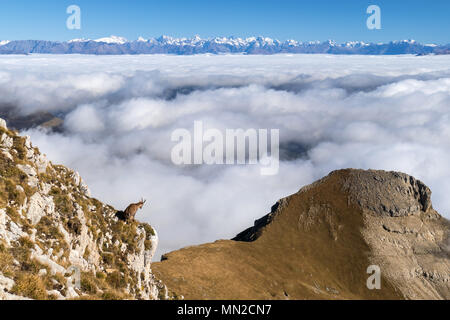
383 112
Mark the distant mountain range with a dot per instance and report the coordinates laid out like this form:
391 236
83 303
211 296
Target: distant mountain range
186 46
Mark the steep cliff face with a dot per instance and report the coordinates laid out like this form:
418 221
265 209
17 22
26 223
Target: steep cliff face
56 242
407 238
319 243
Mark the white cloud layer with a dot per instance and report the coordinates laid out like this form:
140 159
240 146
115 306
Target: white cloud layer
384 112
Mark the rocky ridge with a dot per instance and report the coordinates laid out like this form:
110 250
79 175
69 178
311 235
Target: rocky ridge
57 242
319 243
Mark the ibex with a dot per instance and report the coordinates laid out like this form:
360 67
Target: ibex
130 211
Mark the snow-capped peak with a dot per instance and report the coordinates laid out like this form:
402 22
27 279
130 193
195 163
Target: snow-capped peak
112 39
355 44
331 43
79 40
408 41
142 39
4 42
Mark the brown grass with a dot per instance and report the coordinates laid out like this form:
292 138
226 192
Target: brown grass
114 295
31 286
116 280
6 261
89 283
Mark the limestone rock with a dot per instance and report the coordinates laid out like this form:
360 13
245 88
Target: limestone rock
31 173
39 206
388 193
7 155
47 261
78 181
41 163
3 124
50 221
6 283
6 141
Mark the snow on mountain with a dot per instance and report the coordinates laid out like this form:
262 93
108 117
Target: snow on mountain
79 40
355 44
217 45
112 39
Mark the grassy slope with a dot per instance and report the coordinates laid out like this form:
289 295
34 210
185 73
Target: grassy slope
297 256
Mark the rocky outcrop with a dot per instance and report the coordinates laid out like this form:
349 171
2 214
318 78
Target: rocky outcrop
56 242
254 232
388 193
320 242
407 237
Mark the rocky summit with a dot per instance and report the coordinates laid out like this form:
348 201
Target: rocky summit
57 242
324 242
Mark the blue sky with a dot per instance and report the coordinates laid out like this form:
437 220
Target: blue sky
340 20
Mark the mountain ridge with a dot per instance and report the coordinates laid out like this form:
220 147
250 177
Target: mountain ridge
319 242
115 45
